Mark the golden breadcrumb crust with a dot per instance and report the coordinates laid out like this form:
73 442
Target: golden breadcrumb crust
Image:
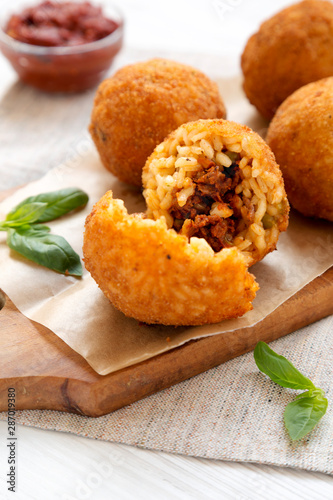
141 104
155 275
291 49
301 136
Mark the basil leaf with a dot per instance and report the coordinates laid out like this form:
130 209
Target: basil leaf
34 230
279 369
48 250
58 202
25 214
302 415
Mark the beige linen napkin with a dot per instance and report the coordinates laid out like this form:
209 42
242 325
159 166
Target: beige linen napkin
231 412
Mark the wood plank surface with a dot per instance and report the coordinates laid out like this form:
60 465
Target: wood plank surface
48 374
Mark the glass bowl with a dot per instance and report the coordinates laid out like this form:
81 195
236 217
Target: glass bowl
64 69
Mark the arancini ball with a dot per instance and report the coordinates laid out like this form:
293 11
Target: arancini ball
301 137
141 104
215 205
291 49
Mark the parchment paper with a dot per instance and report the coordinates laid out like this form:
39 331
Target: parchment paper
77 311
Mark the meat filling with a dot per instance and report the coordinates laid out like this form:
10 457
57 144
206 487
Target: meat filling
211 185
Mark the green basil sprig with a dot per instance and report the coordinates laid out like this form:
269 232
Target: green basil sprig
303 414
27 236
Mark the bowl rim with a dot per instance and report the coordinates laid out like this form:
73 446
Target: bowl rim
63 50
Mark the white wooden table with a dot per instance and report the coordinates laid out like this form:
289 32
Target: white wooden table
37 132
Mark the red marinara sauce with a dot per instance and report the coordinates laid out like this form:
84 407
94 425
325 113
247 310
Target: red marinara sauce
62 46
54 24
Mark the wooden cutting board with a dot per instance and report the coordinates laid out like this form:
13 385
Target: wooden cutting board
47 374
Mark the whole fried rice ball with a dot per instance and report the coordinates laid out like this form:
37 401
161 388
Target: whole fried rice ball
218 180
216 203
141 104
301 136
291 49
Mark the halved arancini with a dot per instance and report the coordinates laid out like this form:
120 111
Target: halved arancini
155 275
218 180
216 204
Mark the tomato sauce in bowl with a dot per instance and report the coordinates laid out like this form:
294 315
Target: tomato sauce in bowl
62 46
